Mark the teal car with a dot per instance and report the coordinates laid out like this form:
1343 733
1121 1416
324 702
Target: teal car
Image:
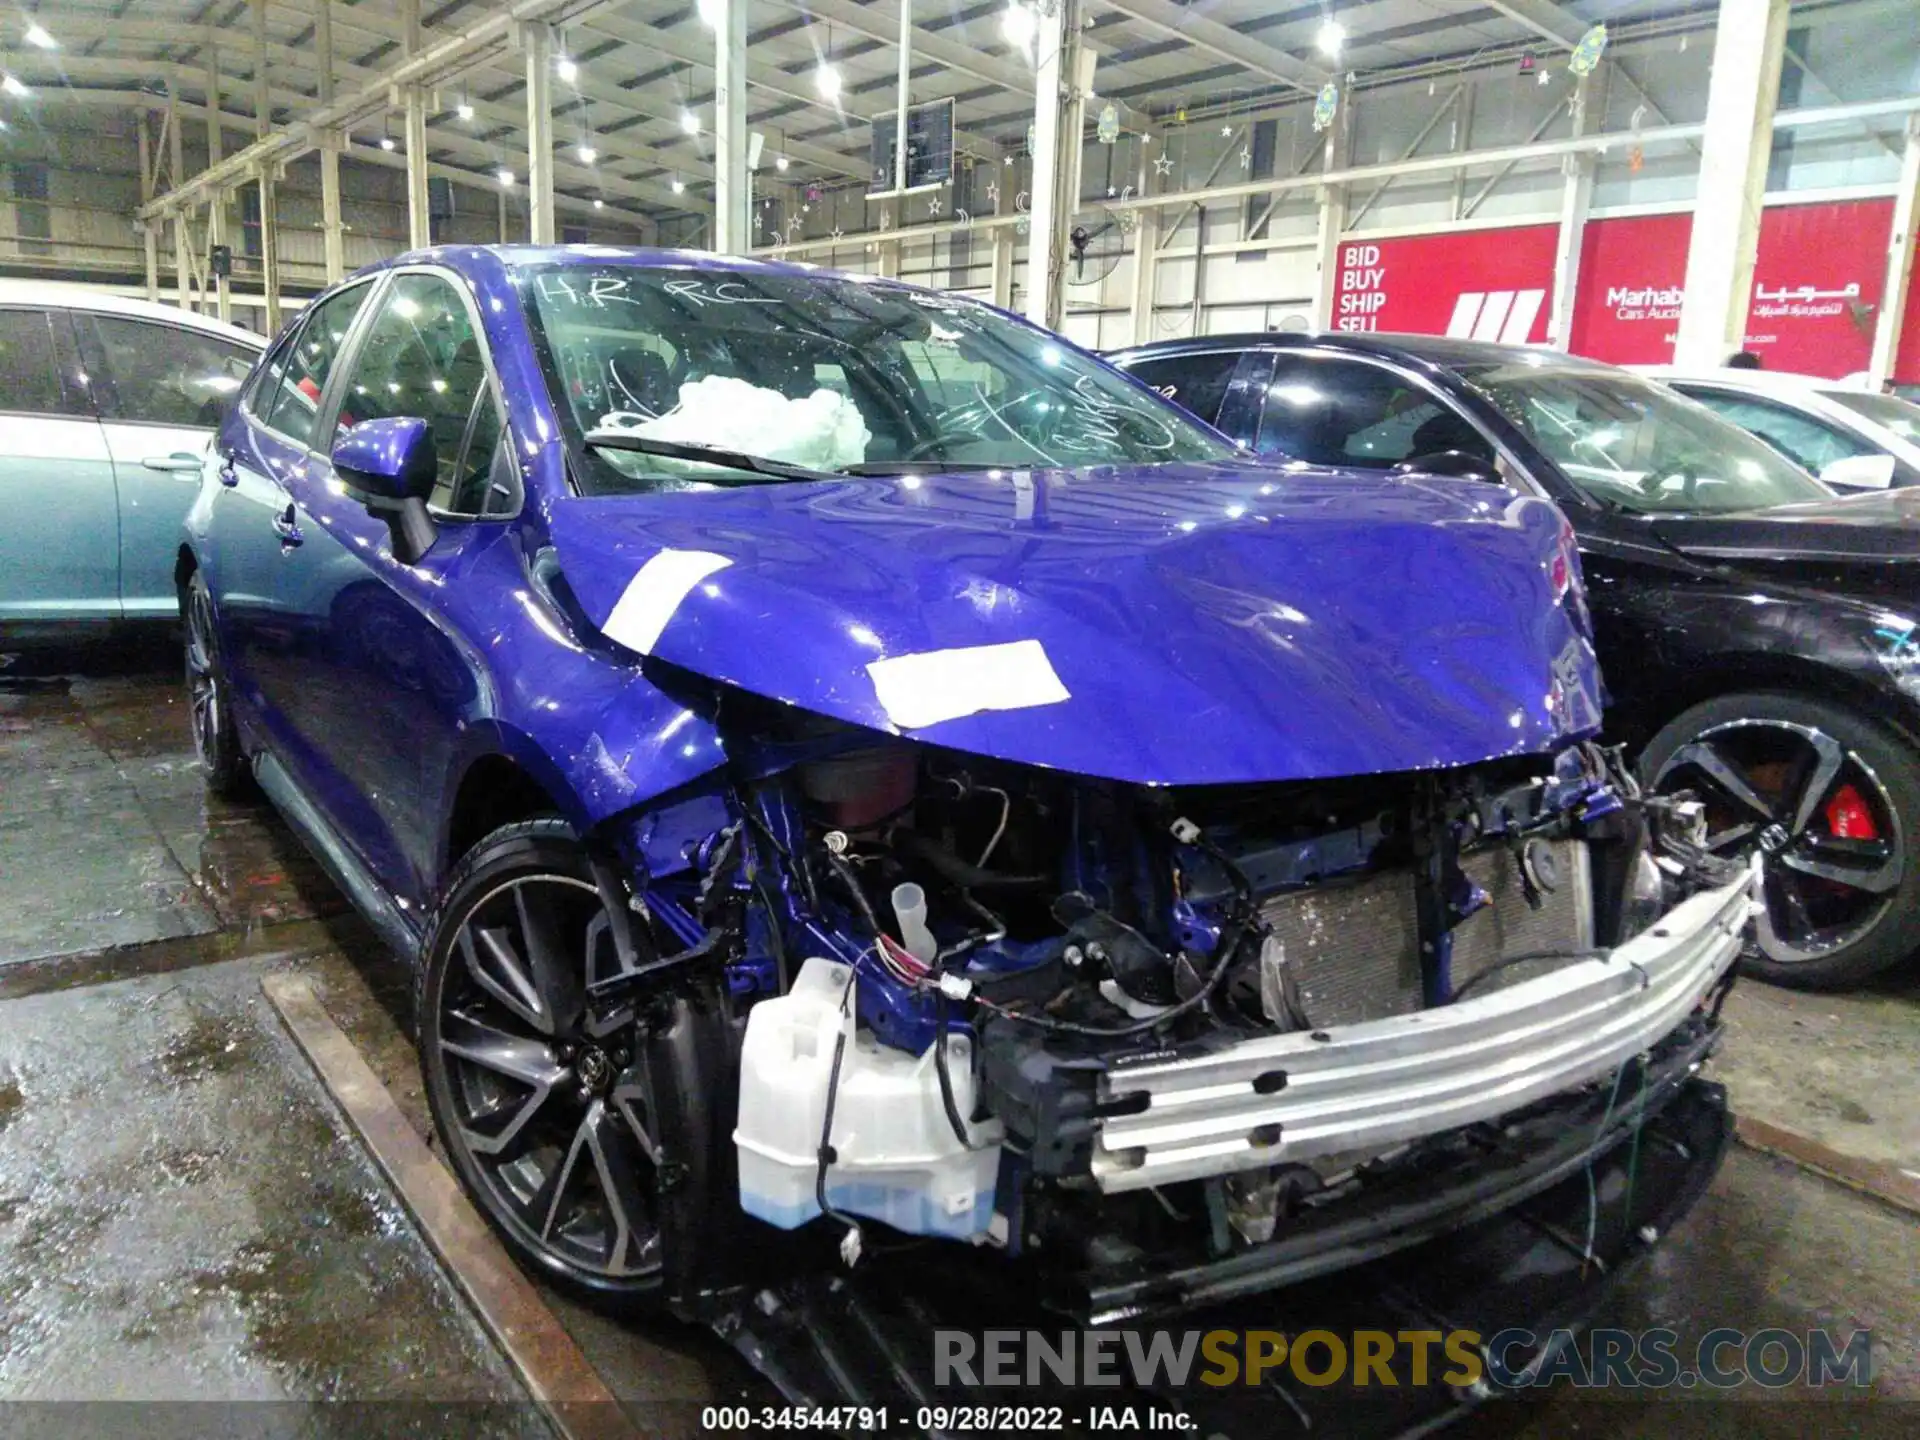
106 406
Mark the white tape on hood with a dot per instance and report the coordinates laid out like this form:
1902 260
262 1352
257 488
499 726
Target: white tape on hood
655 592
936 685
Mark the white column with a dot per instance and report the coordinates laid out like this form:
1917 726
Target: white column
1748 44
538 44
150 241
1146 275
270 247
333 240
414 101
1332 224
217 198
182 265
1051 206
732 184
1001 276
1576 198
1900 249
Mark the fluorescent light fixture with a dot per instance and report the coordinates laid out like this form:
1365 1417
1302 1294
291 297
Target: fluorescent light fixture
13 85
1330 36
1019 24
598 203
566 69
38 37
463 110
679 186
780 162
587 153
386 142
709 13
506 179
689 121
827 81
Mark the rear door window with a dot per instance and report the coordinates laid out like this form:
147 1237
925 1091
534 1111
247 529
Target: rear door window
1328 410
287 399
29 368
1811 443
1197 380
156 374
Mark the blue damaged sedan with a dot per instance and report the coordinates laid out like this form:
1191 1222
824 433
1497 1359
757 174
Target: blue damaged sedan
857 776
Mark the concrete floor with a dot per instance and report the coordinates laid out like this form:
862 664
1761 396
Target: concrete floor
182 1216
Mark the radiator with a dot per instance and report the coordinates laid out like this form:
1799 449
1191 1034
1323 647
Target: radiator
1354 946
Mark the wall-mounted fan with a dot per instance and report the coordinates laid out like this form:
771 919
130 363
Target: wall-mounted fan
1095 243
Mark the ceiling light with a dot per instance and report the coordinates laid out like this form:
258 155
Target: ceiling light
587 153
566 69
780 162
13 85
463 110
689 122
1019 24
598 203
827 81
386 142
1330 37
39 37
709 13
679 186
506 179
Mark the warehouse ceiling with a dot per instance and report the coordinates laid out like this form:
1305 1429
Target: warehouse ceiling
639 68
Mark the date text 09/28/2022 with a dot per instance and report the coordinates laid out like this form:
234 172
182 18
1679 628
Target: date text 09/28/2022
943 1419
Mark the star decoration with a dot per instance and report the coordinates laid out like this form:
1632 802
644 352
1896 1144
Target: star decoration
1246 157
1009 159
1226 130
1111 192
1163 164
933 207
1546 77
993 193
837 233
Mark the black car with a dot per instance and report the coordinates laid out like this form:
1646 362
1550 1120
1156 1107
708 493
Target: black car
1760 637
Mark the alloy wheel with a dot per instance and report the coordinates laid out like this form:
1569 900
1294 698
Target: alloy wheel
553 1119
203 678
1829 836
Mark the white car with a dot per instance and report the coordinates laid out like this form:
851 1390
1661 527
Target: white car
106 404
1851 438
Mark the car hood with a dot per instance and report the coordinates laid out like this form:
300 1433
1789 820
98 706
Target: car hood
1162 625
1875 527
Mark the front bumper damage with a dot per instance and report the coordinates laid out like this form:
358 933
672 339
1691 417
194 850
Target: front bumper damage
1539 1140
1291 1097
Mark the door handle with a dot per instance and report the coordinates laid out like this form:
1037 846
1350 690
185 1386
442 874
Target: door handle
286 525
229 477
178 463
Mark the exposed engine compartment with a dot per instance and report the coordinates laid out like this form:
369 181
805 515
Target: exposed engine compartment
941 971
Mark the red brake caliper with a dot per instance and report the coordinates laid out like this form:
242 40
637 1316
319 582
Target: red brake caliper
1848 817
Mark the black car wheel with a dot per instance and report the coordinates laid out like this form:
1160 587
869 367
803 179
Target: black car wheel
546 1125
214 738
1828 799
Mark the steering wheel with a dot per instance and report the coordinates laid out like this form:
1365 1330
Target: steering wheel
972 421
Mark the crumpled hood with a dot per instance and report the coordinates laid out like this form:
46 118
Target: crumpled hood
1166 625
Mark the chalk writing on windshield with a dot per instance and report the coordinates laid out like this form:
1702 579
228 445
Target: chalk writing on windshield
599 291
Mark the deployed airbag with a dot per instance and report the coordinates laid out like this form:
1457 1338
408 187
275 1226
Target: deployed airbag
824 431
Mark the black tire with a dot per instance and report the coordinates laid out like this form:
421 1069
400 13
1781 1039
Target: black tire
215 740
1840 906
507 1065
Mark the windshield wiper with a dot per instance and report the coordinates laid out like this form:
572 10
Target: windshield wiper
705 454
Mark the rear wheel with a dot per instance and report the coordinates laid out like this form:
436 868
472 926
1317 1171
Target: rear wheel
547 1125
1830 801
214 738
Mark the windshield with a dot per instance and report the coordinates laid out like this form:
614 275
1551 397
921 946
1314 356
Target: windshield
1640 446
826 372
1902 417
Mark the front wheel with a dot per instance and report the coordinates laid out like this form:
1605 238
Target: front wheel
547 1126
1828 799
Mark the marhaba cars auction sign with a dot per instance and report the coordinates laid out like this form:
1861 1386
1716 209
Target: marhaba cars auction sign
1817 284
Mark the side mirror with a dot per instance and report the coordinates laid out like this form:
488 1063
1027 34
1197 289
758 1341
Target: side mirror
1455 464
1859 472
389 466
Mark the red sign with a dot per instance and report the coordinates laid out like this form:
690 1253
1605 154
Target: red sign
1486 284
1816 287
